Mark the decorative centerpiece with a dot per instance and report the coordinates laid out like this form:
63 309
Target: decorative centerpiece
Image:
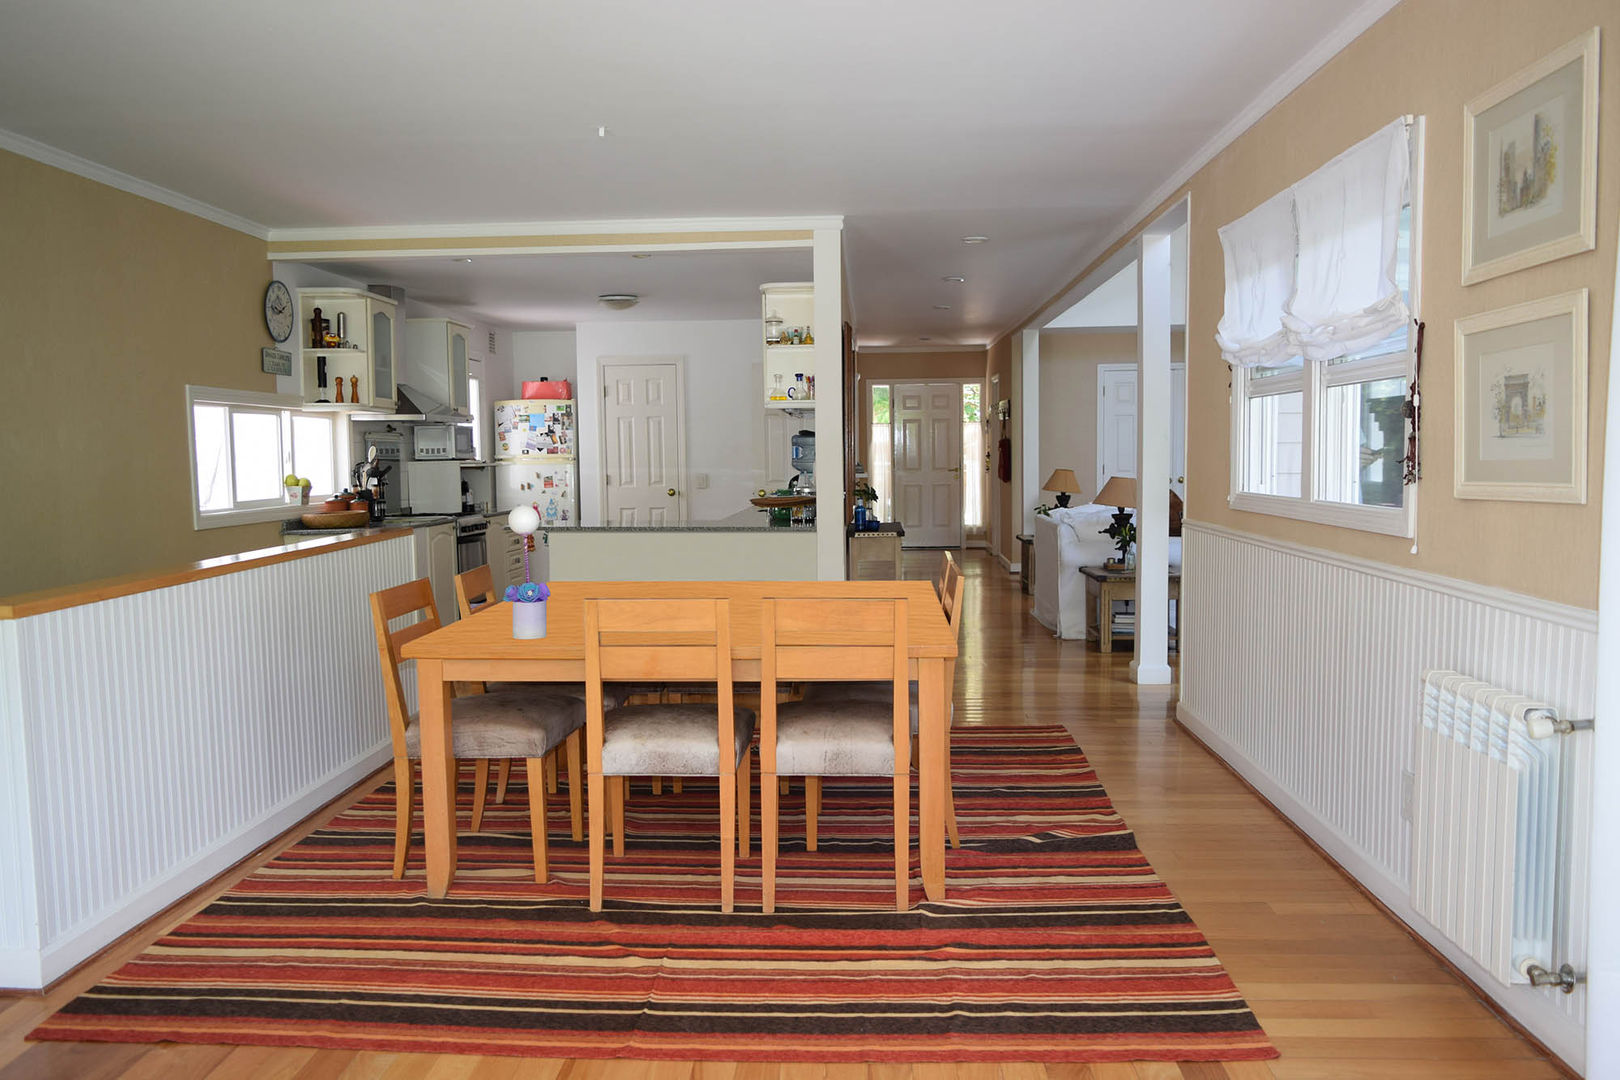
528 600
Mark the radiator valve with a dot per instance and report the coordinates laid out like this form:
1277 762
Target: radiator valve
1564 978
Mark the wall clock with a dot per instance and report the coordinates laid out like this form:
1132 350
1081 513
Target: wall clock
278 312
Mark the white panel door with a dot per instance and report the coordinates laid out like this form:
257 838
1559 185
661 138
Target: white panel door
1178 429
927 432
1116 422
641 460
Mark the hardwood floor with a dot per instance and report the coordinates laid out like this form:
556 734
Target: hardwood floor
1343 991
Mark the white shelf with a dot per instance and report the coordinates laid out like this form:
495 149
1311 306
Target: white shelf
793 405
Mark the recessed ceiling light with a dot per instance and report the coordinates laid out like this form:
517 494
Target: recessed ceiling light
942 307
601 131
955 280
642 255
924 337
975 239
618 301
463 260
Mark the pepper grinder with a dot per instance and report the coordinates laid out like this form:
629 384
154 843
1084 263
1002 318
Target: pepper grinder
339 381
354 389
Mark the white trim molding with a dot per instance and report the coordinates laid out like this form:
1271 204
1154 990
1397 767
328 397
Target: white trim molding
1302 670
134 185
603 227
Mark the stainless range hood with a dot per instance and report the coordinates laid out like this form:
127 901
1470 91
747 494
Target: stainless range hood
414 404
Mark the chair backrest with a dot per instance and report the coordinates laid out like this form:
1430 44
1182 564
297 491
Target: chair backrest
386 606
949 572
658 641
820 639
474 589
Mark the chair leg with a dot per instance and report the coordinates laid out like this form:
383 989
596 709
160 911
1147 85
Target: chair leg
786 784
480 791
812 810
616 786
950 797
598 811
745 809
551 775
404 801
500 783
658 785
675 784
728 841
537 821
576 786
769 806
902 840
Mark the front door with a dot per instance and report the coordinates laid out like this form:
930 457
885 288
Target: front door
927 430
642 464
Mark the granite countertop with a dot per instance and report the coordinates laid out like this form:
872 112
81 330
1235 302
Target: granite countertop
296 527
750 520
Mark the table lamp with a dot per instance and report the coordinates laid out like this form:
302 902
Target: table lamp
1120 493
1064 483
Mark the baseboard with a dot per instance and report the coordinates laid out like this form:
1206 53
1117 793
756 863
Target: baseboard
30 970
1392 896
1007 564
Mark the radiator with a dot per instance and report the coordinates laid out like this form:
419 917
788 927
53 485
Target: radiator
1486 819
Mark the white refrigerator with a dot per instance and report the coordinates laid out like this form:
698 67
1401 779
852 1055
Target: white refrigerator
534 459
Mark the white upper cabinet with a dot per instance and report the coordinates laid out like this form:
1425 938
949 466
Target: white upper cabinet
435 359
787 309
348 359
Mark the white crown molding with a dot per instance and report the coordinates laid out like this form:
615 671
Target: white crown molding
622 226
316 253
101 174
893 349
1290 80
1576 618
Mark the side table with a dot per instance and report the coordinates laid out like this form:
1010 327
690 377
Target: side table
1026 563
1106 587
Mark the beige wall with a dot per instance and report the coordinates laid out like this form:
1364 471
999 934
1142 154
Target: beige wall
111 304
1426 57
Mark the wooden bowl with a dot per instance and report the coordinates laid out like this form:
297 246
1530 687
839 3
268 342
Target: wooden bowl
341 519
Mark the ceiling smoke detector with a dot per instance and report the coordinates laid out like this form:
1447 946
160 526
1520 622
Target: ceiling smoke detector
618 301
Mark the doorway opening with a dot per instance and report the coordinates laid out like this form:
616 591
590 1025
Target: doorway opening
935 431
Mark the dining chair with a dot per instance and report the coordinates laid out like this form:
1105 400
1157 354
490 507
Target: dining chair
879 691
816 638
475 589
679 640
523 723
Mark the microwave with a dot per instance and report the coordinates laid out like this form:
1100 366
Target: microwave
443 442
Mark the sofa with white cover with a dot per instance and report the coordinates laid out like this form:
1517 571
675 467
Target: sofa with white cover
1066 540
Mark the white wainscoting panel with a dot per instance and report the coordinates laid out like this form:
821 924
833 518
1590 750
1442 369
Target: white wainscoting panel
1303 669
169 733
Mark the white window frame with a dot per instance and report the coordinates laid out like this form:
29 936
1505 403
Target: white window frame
284 405
1314 379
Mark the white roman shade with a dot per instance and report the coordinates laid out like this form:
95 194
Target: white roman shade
1259 249
1347 213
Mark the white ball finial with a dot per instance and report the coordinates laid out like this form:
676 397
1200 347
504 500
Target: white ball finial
523 520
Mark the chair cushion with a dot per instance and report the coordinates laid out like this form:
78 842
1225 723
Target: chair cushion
835 738
521 723
669 740
881 693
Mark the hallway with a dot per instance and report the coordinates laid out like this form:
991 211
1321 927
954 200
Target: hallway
1343 992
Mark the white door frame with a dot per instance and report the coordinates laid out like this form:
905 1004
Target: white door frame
603 363
986 408
961 487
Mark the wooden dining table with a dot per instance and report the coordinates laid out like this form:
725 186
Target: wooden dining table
481 648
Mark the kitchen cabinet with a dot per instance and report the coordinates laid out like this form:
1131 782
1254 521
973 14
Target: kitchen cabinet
435 360
435 550
364 362
787 307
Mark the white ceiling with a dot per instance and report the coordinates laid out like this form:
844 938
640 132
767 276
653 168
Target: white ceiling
554 292
1038 123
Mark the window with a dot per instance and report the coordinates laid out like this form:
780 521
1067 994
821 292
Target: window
1320 434
245 445
973 457
880 455
475 407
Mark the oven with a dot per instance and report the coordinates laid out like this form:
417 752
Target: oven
472 546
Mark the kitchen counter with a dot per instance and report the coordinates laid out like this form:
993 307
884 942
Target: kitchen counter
752 519
295 527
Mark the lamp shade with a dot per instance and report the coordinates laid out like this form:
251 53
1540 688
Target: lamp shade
1062 480
1119 491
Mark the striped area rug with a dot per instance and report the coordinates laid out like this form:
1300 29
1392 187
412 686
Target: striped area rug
1057 941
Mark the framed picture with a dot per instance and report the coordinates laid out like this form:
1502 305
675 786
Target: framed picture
1530 165
1521 402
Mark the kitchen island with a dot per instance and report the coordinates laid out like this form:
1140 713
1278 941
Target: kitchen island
746 546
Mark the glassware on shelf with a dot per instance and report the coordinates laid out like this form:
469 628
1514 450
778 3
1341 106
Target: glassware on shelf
773 329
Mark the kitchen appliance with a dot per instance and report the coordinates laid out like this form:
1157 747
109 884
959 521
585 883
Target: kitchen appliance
390 448
472 542
443 442
435 486
534 459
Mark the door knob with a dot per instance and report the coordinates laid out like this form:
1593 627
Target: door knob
1181 479
671 491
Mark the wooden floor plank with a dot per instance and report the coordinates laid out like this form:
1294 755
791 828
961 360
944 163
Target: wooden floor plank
1341 988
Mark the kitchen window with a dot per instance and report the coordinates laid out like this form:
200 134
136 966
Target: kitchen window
1322 358
244 446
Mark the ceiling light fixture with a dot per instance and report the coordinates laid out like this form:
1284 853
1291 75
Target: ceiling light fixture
975 239
601 131
924 337
464 259
954 280
942 307
618 301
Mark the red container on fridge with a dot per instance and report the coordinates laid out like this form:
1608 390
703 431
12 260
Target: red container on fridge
547 390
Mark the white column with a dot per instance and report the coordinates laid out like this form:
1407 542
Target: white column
1031 405
1152 663
827 270
1603 940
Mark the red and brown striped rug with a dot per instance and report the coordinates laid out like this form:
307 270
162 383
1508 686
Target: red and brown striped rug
1057 941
